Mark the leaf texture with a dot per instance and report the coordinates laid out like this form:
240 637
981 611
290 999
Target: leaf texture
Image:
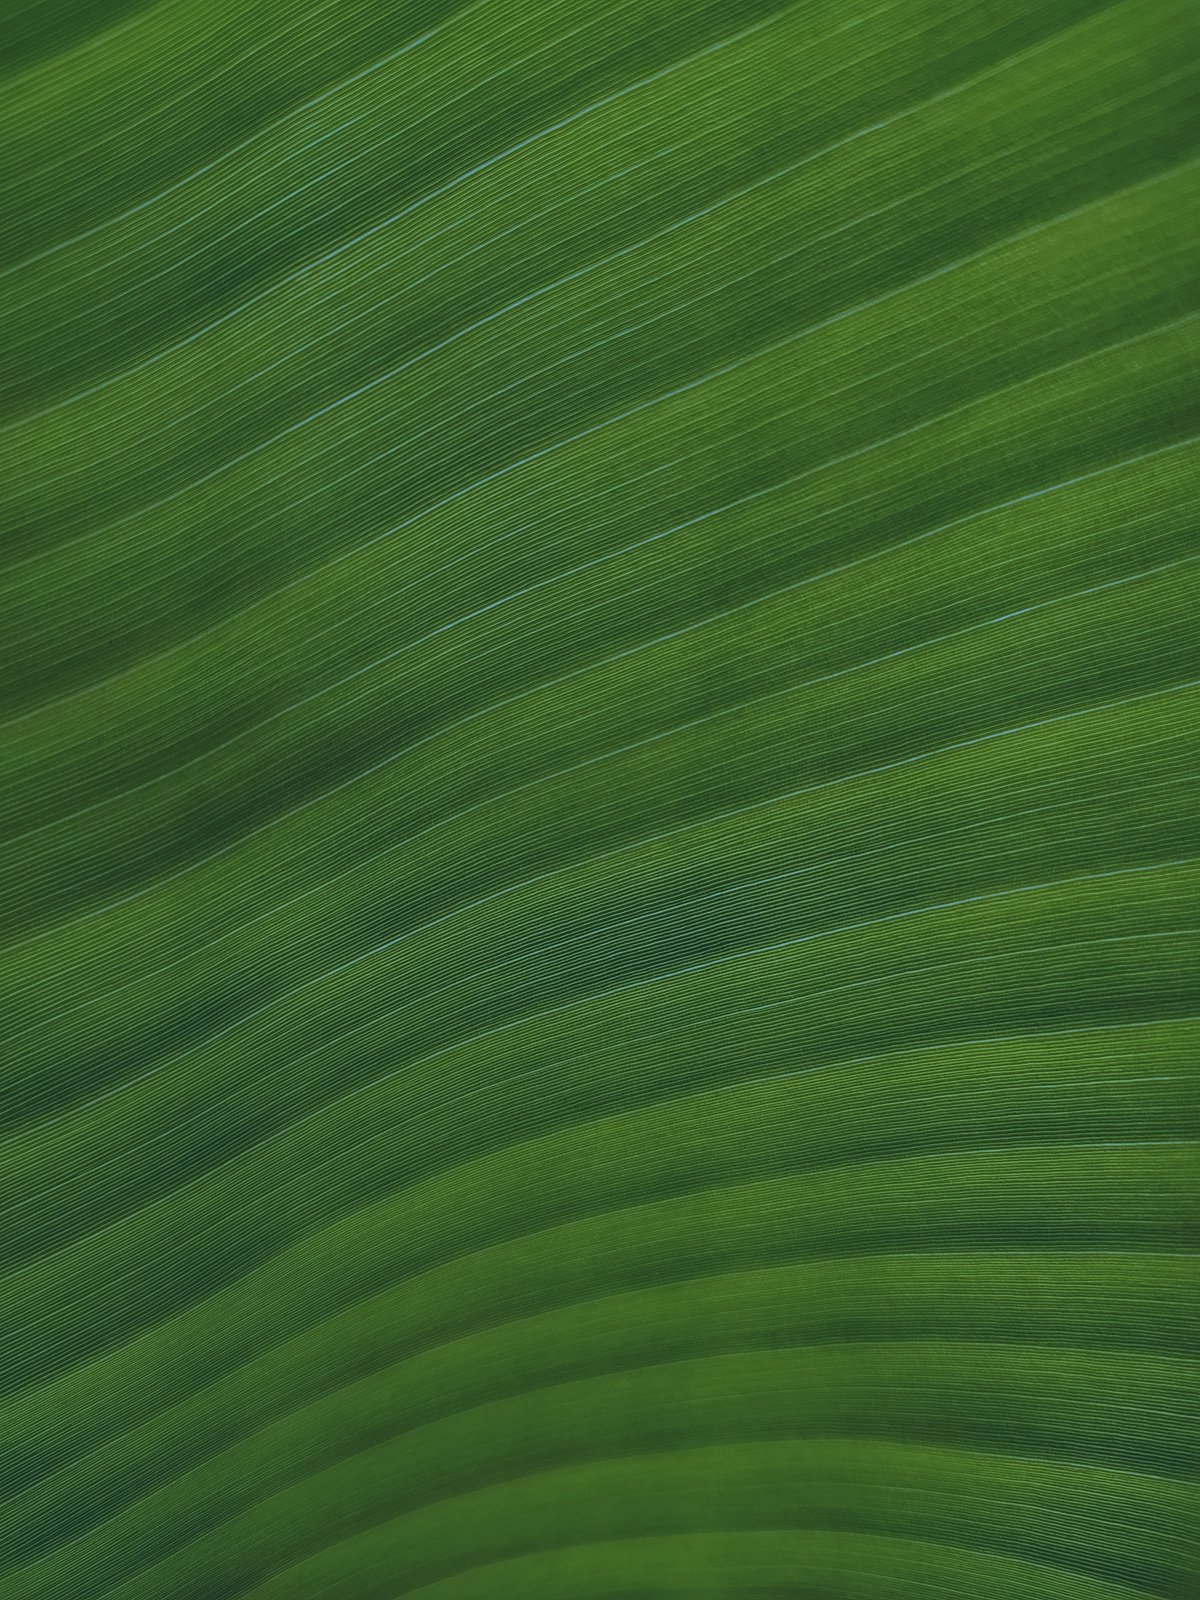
598 962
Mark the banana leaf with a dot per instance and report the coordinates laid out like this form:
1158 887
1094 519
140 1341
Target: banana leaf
598 709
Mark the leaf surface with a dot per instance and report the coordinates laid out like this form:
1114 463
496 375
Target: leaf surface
598 962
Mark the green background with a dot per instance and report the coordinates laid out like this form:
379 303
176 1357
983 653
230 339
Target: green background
597 814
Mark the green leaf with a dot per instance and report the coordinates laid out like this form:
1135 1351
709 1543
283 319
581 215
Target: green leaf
598 962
